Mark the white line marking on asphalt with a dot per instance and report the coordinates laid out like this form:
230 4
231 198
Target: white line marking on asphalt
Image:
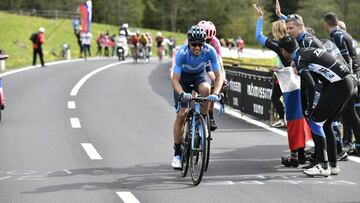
6 177
237 114
355 159
71 105
91 151
127 197
78 85
47 64
220 183
75 123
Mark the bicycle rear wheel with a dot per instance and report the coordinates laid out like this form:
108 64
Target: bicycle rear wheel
208 142
198 153
185 150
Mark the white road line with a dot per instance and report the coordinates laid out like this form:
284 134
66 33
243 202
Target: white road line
71 105
237 114
354 158
6 177
91 151
75 123
219 183
47 64
127 197
78 85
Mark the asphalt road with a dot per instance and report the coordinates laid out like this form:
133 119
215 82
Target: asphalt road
108 138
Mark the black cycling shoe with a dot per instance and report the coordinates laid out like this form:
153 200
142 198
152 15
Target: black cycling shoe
213 125
302 160
290 161
342 156
349 148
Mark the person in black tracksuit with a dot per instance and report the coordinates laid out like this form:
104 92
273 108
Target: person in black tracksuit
337 89
344 42
296 28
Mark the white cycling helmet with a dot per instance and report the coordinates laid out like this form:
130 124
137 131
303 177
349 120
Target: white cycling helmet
41 29
125 25
158 34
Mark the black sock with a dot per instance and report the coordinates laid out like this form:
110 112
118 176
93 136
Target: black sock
211 114
177 148
325 165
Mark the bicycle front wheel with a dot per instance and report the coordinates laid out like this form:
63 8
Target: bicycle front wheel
198 151
185 150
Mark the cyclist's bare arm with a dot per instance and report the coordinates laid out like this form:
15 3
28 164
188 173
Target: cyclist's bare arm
219 80
176 84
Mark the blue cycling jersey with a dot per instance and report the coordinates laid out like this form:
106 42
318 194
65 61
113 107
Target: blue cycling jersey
187 62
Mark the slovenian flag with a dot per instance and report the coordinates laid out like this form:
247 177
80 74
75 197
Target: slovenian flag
297 128
86 12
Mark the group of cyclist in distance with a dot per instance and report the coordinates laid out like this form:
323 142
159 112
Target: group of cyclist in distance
136 44
329 75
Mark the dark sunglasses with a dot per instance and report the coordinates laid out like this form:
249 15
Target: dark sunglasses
294 17
195 44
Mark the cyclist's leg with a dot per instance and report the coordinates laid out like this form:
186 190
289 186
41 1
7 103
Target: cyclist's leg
211 76
204 90
178 127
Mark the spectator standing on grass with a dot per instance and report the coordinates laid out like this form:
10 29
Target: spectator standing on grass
86 43
38 40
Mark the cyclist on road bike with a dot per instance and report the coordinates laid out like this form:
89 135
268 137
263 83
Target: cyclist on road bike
159 42
211 39
190 74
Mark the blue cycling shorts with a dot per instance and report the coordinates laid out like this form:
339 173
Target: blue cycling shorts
190 82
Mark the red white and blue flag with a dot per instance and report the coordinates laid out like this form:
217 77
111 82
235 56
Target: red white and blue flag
297 128
86 13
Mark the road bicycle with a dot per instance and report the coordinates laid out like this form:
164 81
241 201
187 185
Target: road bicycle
193 145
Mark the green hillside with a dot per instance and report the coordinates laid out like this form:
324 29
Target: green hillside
15 31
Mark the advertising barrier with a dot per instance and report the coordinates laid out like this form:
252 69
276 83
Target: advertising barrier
250 91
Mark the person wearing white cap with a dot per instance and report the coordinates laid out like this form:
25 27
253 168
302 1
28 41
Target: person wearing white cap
38 39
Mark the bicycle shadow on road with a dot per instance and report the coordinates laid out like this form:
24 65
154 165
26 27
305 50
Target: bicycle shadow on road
233 165
160 82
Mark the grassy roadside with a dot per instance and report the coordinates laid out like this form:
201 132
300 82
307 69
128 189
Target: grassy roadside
15 31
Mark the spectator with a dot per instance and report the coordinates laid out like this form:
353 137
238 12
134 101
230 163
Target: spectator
38 41
76 24
112 44
86 43
106 44
78 38
240 44
99 42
